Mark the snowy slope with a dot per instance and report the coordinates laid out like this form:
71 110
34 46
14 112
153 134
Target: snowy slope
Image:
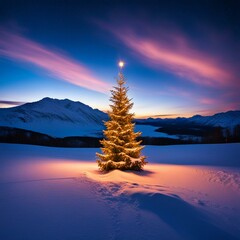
57 193
55 117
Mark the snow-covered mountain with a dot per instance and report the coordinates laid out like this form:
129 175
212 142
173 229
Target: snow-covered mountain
226 119
55 117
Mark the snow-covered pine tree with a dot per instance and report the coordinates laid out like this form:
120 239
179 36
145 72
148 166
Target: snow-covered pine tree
120 150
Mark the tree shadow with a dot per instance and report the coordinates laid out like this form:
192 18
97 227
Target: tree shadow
139 173
181 216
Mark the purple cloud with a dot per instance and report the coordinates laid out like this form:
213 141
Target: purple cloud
58 65
173 52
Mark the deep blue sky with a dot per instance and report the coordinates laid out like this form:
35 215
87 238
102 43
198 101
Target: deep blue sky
182 57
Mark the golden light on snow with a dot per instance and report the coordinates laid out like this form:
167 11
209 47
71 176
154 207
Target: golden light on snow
121 64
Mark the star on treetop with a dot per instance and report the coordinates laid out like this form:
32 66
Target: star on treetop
121 64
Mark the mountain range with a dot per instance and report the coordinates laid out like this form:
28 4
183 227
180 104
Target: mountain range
225 120
62 118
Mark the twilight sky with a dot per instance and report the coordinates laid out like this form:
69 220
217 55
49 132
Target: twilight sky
182 57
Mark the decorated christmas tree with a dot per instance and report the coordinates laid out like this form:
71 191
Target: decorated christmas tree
121 149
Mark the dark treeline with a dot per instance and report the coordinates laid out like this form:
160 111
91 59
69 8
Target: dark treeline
206 134
16 135
194 136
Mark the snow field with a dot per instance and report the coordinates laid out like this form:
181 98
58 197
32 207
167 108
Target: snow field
58 193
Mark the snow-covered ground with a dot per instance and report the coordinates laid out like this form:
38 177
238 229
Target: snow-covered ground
185 192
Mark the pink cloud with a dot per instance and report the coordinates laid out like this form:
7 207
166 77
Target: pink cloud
60 66
209 101
172 52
